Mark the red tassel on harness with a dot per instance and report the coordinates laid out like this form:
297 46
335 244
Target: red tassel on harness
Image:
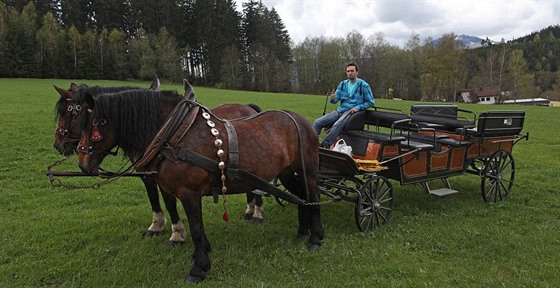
225 216
95 135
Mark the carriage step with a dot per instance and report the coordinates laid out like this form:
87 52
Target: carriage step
443 192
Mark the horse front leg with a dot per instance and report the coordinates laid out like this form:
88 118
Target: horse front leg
158 219
178 232
201 262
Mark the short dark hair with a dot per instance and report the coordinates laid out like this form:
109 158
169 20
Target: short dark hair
353 64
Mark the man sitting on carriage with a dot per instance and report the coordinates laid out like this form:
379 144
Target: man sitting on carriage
354 95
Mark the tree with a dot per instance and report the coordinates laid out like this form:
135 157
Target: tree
167 63
92 61
519 78
48 39
75 43
5 15
141 56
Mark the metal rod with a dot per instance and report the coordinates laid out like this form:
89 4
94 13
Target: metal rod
102 174
400 156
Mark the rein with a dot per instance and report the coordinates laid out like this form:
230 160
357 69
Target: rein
110 176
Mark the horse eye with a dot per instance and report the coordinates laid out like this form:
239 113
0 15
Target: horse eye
70 108
78 107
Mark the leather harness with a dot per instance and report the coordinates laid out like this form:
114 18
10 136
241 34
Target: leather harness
175 128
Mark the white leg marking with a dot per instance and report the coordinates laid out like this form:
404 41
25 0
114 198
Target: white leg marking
179 233
158 222
258 214
250 208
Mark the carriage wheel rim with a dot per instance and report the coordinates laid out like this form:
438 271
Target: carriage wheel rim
375 204
498 177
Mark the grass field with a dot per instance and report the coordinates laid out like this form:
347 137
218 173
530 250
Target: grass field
92 238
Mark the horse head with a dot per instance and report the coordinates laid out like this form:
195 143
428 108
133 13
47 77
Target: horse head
65 140
97 137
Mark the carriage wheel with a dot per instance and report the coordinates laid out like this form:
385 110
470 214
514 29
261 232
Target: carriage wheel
497 177
374 206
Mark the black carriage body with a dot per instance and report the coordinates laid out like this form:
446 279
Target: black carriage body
432 142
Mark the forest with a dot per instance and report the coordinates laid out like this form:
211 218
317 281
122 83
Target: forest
212 44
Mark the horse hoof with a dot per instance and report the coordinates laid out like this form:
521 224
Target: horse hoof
247 216
257 220
150 234
194 279
173 244
302 234
313 246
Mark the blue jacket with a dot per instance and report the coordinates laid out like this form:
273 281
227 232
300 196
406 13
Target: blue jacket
361 98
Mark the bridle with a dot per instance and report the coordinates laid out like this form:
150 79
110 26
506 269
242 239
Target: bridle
69 117
94 138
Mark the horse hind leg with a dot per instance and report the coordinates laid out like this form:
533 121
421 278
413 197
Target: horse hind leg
254 211
309 216
250 206
257 216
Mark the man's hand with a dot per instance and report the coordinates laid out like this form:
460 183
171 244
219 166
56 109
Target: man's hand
332 94
353 110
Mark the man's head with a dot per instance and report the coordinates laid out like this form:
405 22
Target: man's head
352 71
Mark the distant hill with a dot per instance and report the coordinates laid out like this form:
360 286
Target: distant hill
467 41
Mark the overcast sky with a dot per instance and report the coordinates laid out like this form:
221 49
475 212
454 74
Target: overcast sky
397 19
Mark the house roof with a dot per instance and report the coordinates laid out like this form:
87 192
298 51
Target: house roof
486 91
528 100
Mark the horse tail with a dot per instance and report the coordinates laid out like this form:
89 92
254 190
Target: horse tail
255 107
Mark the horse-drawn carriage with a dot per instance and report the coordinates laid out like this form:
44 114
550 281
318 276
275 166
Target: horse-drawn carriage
187 151
432 142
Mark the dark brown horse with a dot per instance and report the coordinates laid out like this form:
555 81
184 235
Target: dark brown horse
269 145
66 141
66 135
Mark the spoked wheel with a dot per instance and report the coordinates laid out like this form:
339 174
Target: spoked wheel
497 177
374 206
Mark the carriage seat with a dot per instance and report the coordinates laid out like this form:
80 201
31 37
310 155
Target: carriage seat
437 140
355 135
440 117
496 124
413 145
380 137
360 119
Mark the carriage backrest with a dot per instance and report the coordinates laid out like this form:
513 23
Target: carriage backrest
500 123
441 116
373 117
437 110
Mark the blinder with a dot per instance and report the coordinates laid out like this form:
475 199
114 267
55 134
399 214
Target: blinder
96 135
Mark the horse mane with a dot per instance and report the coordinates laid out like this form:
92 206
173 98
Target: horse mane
78 94
134 115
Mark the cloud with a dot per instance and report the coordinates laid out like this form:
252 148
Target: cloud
398 19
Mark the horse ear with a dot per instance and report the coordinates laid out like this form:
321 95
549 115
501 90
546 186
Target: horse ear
155 84
67 94
189 91
73 86
89 100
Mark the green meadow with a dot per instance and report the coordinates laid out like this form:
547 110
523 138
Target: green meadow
93 237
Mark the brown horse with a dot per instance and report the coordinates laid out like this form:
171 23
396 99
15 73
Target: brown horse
66 135
66 141
269 145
